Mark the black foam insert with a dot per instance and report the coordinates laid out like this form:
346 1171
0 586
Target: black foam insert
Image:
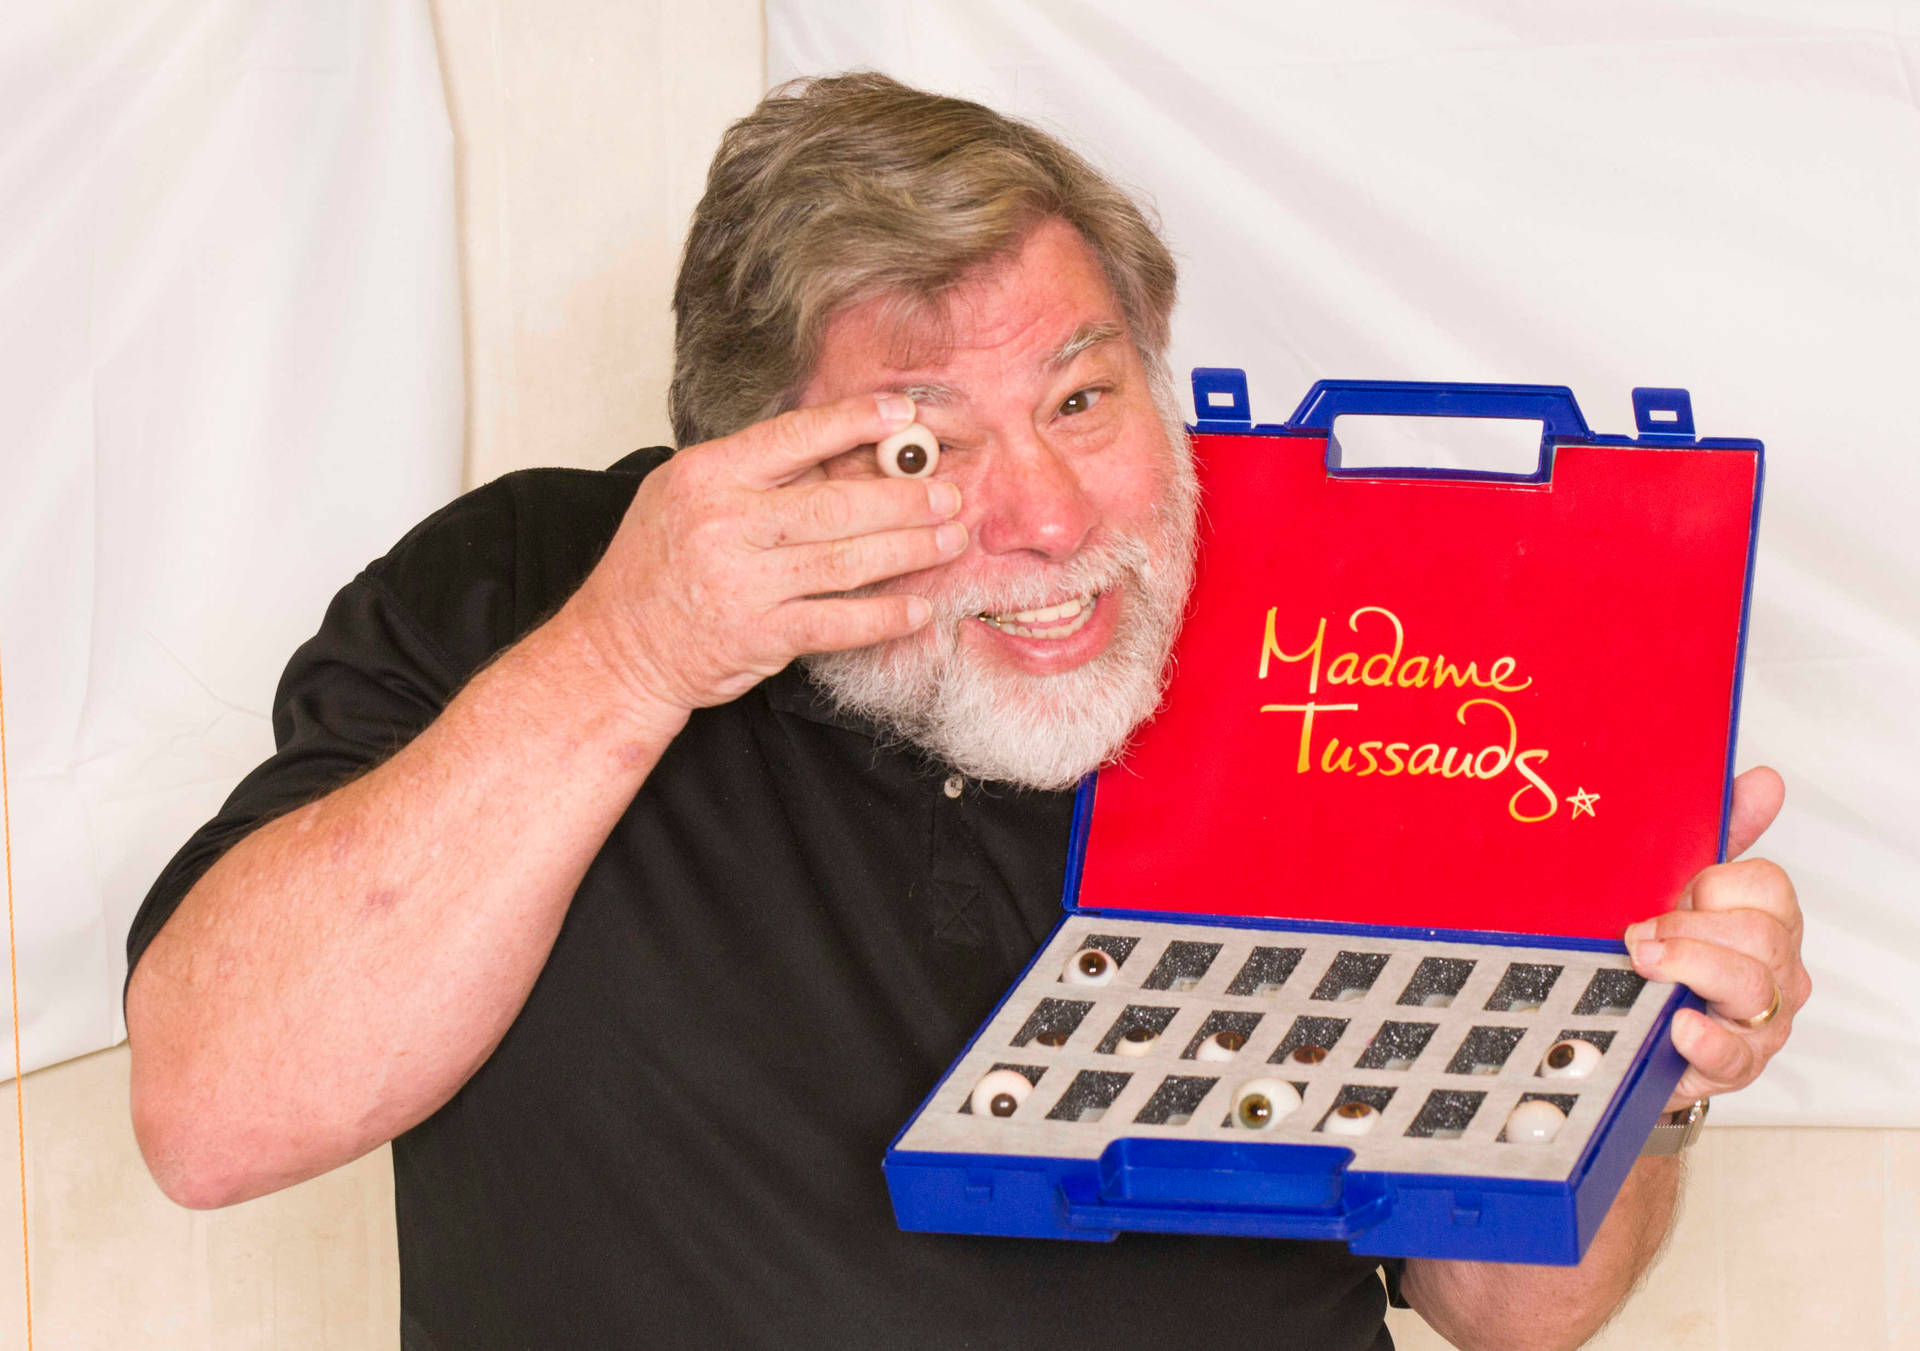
1053 1018
1175 1099
1266 966
1396 1041
1350 971
1321 1032
1222 1020
1180 965
1611 990
1524 983
1089 1095
1446 1110
1436 976
1485 1046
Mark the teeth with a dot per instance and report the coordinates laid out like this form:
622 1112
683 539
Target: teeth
1065 619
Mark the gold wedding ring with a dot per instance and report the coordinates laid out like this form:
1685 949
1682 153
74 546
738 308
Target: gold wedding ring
1760 1020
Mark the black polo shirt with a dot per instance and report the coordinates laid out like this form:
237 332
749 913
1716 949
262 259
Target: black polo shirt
786 939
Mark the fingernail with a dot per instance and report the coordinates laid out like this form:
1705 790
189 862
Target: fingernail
894 407
1649 952
1636 932
944 498
951 537
918 611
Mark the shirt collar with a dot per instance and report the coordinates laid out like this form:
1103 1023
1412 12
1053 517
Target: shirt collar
793 691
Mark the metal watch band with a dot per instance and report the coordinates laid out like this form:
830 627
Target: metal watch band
1674 1131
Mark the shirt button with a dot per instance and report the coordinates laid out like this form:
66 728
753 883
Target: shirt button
954 785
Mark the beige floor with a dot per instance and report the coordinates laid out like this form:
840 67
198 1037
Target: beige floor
1793 1240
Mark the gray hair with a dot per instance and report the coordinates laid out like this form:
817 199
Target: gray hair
839 190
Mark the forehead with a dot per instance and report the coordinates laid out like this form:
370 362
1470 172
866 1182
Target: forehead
1026 312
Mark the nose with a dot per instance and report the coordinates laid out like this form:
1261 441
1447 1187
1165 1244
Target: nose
1030 499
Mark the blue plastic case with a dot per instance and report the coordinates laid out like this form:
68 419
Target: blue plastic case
1168 1162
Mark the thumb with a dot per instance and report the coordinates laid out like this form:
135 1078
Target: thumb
1757 795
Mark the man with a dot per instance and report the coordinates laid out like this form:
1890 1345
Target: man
641 846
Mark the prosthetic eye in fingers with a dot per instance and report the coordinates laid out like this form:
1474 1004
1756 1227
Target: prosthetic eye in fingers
911 452
1000 1093
1573 1058
1261 1102
1089 966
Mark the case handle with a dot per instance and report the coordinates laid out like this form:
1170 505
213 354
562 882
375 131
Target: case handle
1552 406
1184 1186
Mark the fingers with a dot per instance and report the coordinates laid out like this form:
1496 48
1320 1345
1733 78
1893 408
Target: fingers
1736 985
1752 933
773 452
833 624
1757 795
1719 1059
1751 884
839 508
1735 941
842 565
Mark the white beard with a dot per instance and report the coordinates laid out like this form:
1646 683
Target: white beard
1037 731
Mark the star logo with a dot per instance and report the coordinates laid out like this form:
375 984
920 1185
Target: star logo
1582 802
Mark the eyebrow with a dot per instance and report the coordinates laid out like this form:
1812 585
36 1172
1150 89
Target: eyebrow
941 396
1085 336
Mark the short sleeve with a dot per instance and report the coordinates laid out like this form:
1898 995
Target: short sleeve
400 640
395 644
1392 1271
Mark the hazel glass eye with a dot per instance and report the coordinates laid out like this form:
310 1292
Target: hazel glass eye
1089 966
1261 1102
1352 1118
911 452
1136 1041
1307 1055
1573 1058
1000 1092
1220 1046
1534 1122
1053 1036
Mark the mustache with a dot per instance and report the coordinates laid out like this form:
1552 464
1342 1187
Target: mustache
1096 568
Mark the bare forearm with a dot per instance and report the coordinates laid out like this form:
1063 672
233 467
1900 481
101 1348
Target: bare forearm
341 972
1483 1306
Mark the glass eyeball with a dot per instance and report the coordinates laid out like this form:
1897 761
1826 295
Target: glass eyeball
1307 1055
1574 1058
1352 1118
1220 1046
1534 1122
1053 1036
1136 1041
911 452
1089 966
1000 1092
1261 1102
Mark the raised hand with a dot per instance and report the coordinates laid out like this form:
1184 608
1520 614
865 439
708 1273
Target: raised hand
725 567
1733 937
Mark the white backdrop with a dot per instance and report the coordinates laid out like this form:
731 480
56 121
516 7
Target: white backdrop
1724 197
230 370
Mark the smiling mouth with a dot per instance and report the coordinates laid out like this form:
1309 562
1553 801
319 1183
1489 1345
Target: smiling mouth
1052 621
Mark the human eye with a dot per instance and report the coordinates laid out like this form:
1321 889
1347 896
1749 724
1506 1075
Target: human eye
1080 401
